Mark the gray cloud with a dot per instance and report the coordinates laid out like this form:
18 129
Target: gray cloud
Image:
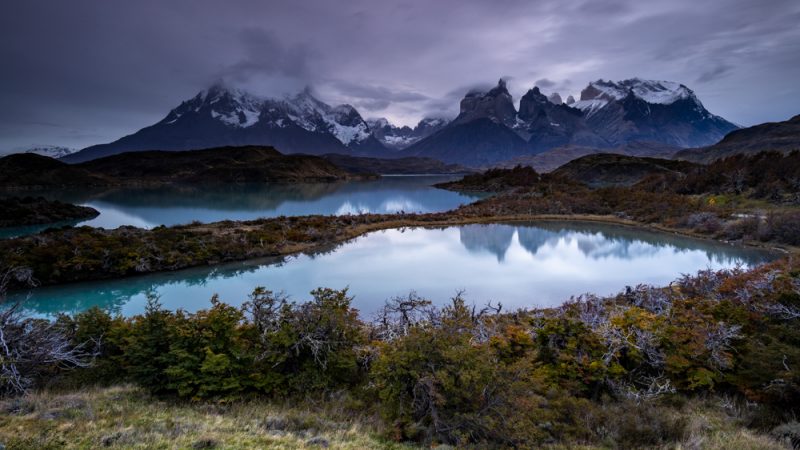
87 71
545 83
266 55
715 73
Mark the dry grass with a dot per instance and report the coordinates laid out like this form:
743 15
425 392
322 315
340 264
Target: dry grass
714 428
127 417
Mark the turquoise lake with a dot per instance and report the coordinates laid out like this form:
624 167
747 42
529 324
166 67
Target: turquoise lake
173 205
519 265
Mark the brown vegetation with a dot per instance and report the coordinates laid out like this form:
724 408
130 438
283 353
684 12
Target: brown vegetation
619 371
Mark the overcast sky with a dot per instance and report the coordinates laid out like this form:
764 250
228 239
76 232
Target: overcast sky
82 72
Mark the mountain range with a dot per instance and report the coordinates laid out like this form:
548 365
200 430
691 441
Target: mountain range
488 129
609 114
222 116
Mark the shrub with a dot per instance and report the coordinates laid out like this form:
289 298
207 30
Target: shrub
313 345
785 227
444 381
32 349
704 222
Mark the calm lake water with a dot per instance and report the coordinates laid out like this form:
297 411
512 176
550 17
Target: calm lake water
536 264
172 205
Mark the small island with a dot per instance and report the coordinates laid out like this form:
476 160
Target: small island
24 211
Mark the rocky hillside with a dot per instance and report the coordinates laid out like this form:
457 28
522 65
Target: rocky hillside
774 136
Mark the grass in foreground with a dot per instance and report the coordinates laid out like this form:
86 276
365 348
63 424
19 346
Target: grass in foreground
127 417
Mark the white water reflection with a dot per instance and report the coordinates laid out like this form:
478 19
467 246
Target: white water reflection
539 264
172 205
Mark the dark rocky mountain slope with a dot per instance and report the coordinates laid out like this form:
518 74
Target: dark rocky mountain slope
781 137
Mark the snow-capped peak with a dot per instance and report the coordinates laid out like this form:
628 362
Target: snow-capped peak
651 91
53 151
233 107
399 137
236 108
343 121
600 93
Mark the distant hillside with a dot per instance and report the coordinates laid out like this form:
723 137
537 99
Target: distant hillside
606 169
399 166
223 165
557 157
494 180
30 169
774 136
771 176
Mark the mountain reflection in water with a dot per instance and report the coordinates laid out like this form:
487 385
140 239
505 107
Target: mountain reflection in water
521 265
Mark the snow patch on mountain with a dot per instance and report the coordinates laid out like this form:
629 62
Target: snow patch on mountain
239 109
590 107
651 91
399 138
349 134
53 151
400 141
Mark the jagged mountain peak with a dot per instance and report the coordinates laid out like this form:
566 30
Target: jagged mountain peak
609 114
495 104
535 94
501 88
400 137
651 91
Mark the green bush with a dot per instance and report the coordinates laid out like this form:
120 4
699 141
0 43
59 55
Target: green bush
591 370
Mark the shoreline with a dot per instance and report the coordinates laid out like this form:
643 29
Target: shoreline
399 221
